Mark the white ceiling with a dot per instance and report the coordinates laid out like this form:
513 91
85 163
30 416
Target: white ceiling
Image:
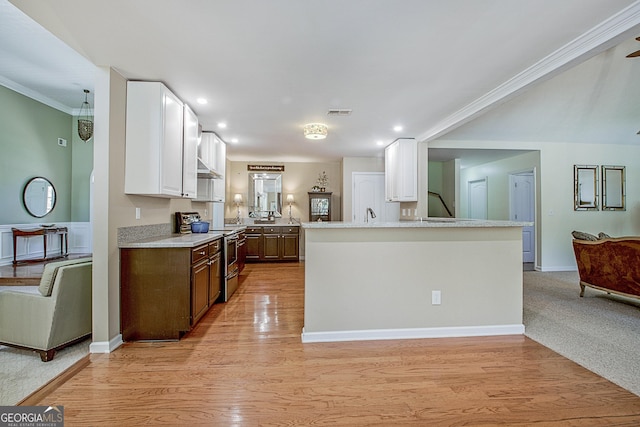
269 67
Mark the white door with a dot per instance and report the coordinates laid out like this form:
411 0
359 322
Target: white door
522 208
478 199
368 192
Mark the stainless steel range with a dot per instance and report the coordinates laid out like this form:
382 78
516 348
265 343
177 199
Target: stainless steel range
231 270
230 251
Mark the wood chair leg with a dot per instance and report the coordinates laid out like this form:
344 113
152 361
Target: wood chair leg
582 290
47 355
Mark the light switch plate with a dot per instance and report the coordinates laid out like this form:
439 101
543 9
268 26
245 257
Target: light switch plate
436 298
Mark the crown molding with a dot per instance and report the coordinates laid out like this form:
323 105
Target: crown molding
603 36
29 93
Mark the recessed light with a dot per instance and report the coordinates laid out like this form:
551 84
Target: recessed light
234 140
397 128
379 143
222 125
201 101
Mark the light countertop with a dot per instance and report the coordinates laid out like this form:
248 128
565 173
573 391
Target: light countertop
190 240
279 222
423 223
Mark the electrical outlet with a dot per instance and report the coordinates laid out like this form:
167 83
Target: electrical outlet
62 142
137 213
436 298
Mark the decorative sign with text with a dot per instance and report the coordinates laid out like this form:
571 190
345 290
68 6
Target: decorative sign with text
266 168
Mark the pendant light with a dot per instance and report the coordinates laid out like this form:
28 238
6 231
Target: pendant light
85 120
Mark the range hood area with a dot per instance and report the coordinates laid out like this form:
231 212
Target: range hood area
211 168
205 172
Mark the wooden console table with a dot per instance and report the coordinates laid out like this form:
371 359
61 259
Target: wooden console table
44 232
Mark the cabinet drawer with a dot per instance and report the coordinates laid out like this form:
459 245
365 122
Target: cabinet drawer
199 253
290 230
272 230
215 247
254 230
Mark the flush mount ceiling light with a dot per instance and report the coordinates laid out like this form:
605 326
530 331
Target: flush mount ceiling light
315 131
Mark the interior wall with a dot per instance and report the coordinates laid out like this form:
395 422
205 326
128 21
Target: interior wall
497 174
82 165
298 178
451 182
559 218
29 146
436 185
555 217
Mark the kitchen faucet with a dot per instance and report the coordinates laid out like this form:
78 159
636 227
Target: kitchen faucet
370 212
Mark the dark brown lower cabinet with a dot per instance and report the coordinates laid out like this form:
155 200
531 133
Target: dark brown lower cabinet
253 243
273 243
165 291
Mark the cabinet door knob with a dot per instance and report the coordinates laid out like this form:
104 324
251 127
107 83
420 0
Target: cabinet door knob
203 253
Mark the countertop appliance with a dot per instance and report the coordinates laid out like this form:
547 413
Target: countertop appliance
184 221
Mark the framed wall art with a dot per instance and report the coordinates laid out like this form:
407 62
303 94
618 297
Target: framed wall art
585 188
613 188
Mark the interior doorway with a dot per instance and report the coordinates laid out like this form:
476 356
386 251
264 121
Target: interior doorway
478 199
522 208
368 192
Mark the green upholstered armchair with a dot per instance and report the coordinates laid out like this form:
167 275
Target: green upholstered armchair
57 315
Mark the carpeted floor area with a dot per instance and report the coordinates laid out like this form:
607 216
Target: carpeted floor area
22 372
600 331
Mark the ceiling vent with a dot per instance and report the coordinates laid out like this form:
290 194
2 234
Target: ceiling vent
339 112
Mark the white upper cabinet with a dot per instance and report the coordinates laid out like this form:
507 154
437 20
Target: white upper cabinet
190 154
154 142
212 155
401 170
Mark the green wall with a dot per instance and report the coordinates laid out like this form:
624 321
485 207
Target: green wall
29 147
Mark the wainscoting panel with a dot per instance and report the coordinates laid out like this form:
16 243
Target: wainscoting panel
80 241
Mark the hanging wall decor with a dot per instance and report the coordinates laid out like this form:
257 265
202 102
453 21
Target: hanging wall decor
585 188
613 188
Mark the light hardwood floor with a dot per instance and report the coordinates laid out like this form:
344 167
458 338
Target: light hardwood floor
244 365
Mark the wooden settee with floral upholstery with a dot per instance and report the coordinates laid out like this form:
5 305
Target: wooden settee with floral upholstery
608 264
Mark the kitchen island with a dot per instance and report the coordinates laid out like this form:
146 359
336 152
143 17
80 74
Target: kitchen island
412 279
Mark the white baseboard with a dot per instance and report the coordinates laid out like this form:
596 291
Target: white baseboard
559 268
412 333
106 346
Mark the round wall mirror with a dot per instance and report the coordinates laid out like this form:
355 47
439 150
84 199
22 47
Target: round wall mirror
39 197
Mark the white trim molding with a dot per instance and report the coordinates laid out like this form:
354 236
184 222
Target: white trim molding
619 27
79 238
412 333
106 346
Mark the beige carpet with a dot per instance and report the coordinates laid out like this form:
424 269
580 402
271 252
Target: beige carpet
600 331
22 372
